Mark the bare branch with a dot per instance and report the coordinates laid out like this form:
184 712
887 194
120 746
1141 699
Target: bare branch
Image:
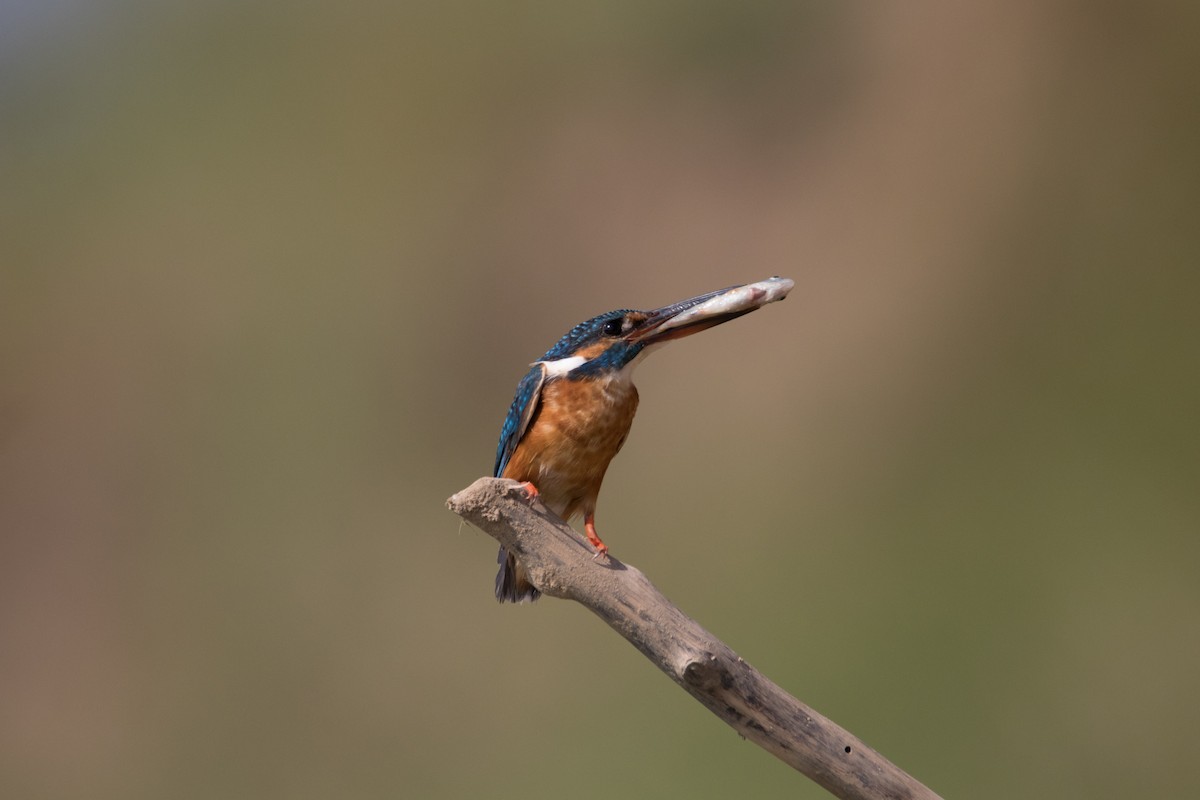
560 564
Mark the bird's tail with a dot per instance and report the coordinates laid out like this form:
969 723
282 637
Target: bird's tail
512 584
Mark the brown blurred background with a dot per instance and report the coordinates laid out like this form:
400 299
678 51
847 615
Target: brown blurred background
269 273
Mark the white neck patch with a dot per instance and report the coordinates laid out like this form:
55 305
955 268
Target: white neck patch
559 367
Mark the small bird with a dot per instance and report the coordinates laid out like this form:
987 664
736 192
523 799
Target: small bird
573 409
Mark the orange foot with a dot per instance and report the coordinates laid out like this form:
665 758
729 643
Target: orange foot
530 490
589 526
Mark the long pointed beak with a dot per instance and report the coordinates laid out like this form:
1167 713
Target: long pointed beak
708 310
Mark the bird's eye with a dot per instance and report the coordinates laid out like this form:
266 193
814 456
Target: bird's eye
612 327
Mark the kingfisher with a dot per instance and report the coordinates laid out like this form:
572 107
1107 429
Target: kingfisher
574 408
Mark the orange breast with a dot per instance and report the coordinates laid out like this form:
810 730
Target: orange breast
579 427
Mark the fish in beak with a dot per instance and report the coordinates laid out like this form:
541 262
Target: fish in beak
707 310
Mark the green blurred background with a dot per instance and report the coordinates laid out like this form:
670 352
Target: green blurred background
271 271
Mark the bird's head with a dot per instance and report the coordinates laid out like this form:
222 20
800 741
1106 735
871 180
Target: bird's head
617 340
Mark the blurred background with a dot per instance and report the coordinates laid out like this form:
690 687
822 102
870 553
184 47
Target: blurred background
269 274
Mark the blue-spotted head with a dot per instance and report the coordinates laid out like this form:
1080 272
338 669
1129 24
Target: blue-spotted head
614 342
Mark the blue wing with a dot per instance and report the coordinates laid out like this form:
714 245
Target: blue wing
524 404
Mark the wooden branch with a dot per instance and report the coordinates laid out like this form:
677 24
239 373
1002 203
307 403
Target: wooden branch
560 563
